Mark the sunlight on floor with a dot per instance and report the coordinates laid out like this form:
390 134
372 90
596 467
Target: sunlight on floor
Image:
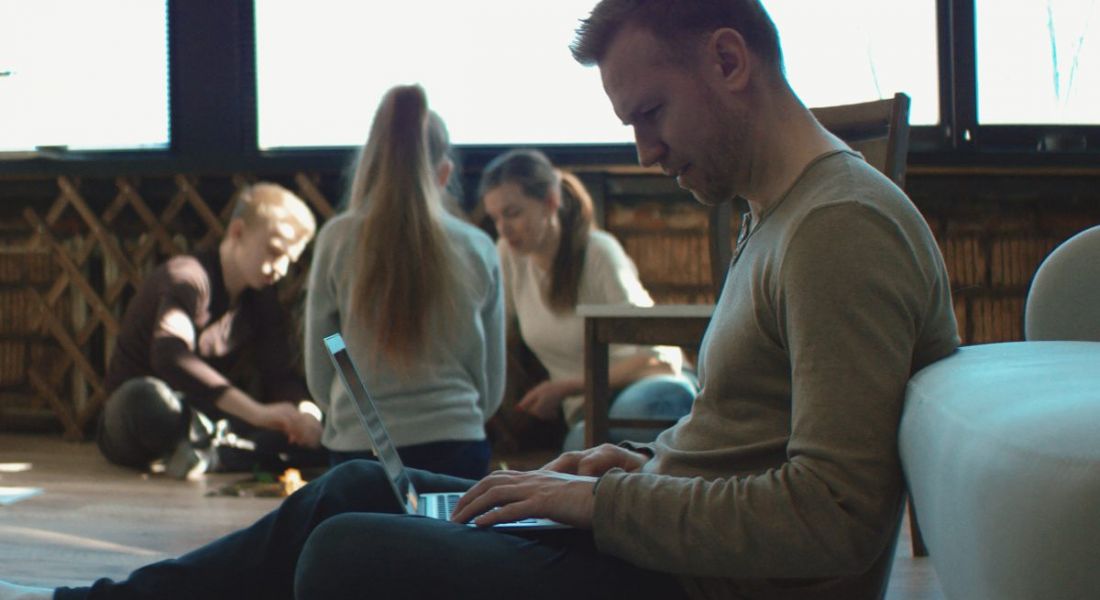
28 534
11 495
15 467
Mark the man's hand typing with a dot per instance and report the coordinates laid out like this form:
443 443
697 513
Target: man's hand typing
597 461
562 490
505 496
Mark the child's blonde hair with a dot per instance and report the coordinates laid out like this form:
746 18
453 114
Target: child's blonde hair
270 203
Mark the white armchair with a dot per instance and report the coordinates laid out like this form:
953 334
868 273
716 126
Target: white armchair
1064 300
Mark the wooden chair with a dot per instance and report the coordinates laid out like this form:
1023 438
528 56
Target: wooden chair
878 129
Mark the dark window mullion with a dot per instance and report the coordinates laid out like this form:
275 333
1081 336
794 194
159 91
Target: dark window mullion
206 77
963 74
247 104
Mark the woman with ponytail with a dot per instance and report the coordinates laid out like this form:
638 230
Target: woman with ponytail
554 258
416 294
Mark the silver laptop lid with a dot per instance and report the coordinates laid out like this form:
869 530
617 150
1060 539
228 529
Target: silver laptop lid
372 423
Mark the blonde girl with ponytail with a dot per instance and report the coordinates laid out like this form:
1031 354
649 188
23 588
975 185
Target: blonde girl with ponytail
416 294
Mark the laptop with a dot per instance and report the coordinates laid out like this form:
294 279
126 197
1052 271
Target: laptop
435 505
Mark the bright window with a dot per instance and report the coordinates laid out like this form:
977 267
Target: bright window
1036 62
83 74
854 50
500 71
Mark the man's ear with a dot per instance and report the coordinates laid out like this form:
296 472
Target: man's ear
730 57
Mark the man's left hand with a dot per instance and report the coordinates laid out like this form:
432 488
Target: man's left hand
505 496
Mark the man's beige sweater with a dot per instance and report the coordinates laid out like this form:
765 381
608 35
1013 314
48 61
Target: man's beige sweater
784 481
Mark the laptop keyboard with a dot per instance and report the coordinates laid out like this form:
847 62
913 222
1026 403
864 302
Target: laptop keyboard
447 506
447 503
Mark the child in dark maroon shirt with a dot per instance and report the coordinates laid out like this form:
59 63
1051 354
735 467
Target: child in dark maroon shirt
191 320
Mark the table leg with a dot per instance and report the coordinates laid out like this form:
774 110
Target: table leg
596 385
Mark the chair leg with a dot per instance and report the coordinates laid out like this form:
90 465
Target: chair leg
919 549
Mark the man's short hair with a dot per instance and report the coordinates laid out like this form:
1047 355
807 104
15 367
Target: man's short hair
270 203
674 22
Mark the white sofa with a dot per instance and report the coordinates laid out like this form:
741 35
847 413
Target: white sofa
1000 445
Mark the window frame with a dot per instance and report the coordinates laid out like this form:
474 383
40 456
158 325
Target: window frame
213 120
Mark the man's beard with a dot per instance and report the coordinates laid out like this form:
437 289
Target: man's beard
726 155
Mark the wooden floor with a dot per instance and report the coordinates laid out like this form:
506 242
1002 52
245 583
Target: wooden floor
95 520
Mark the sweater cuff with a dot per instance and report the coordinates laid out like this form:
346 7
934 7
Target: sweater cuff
603 521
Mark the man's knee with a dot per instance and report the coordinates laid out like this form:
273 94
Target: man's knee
357 485
324 556
334 538
350 553
354 472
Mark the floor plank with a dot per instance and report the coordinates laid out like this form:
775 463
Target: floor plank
97 520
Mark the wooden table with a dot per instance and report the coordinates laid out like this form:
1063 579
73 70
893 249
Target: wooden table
667 324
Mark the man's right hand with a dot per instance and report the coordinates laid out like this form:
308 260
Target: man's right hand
597 461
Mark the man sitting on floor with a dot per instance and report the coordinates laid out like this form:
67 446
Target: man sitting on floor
193 318
783 481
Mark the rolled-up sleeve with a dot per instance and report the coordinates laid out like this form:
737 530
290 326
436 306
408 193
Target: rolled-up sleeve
174 359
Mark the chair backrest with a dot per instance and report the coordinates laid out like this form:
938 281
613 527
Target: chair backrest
1063 302
878 129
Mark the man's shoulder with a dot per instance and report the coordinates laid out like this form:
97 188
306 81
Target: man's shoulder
845 181
838 175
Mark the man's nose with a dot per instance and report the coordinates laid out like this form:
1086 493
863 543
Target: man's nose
650 150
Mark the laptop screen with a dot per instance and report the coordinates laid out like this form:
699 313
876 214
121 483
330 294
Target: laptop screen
372 423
